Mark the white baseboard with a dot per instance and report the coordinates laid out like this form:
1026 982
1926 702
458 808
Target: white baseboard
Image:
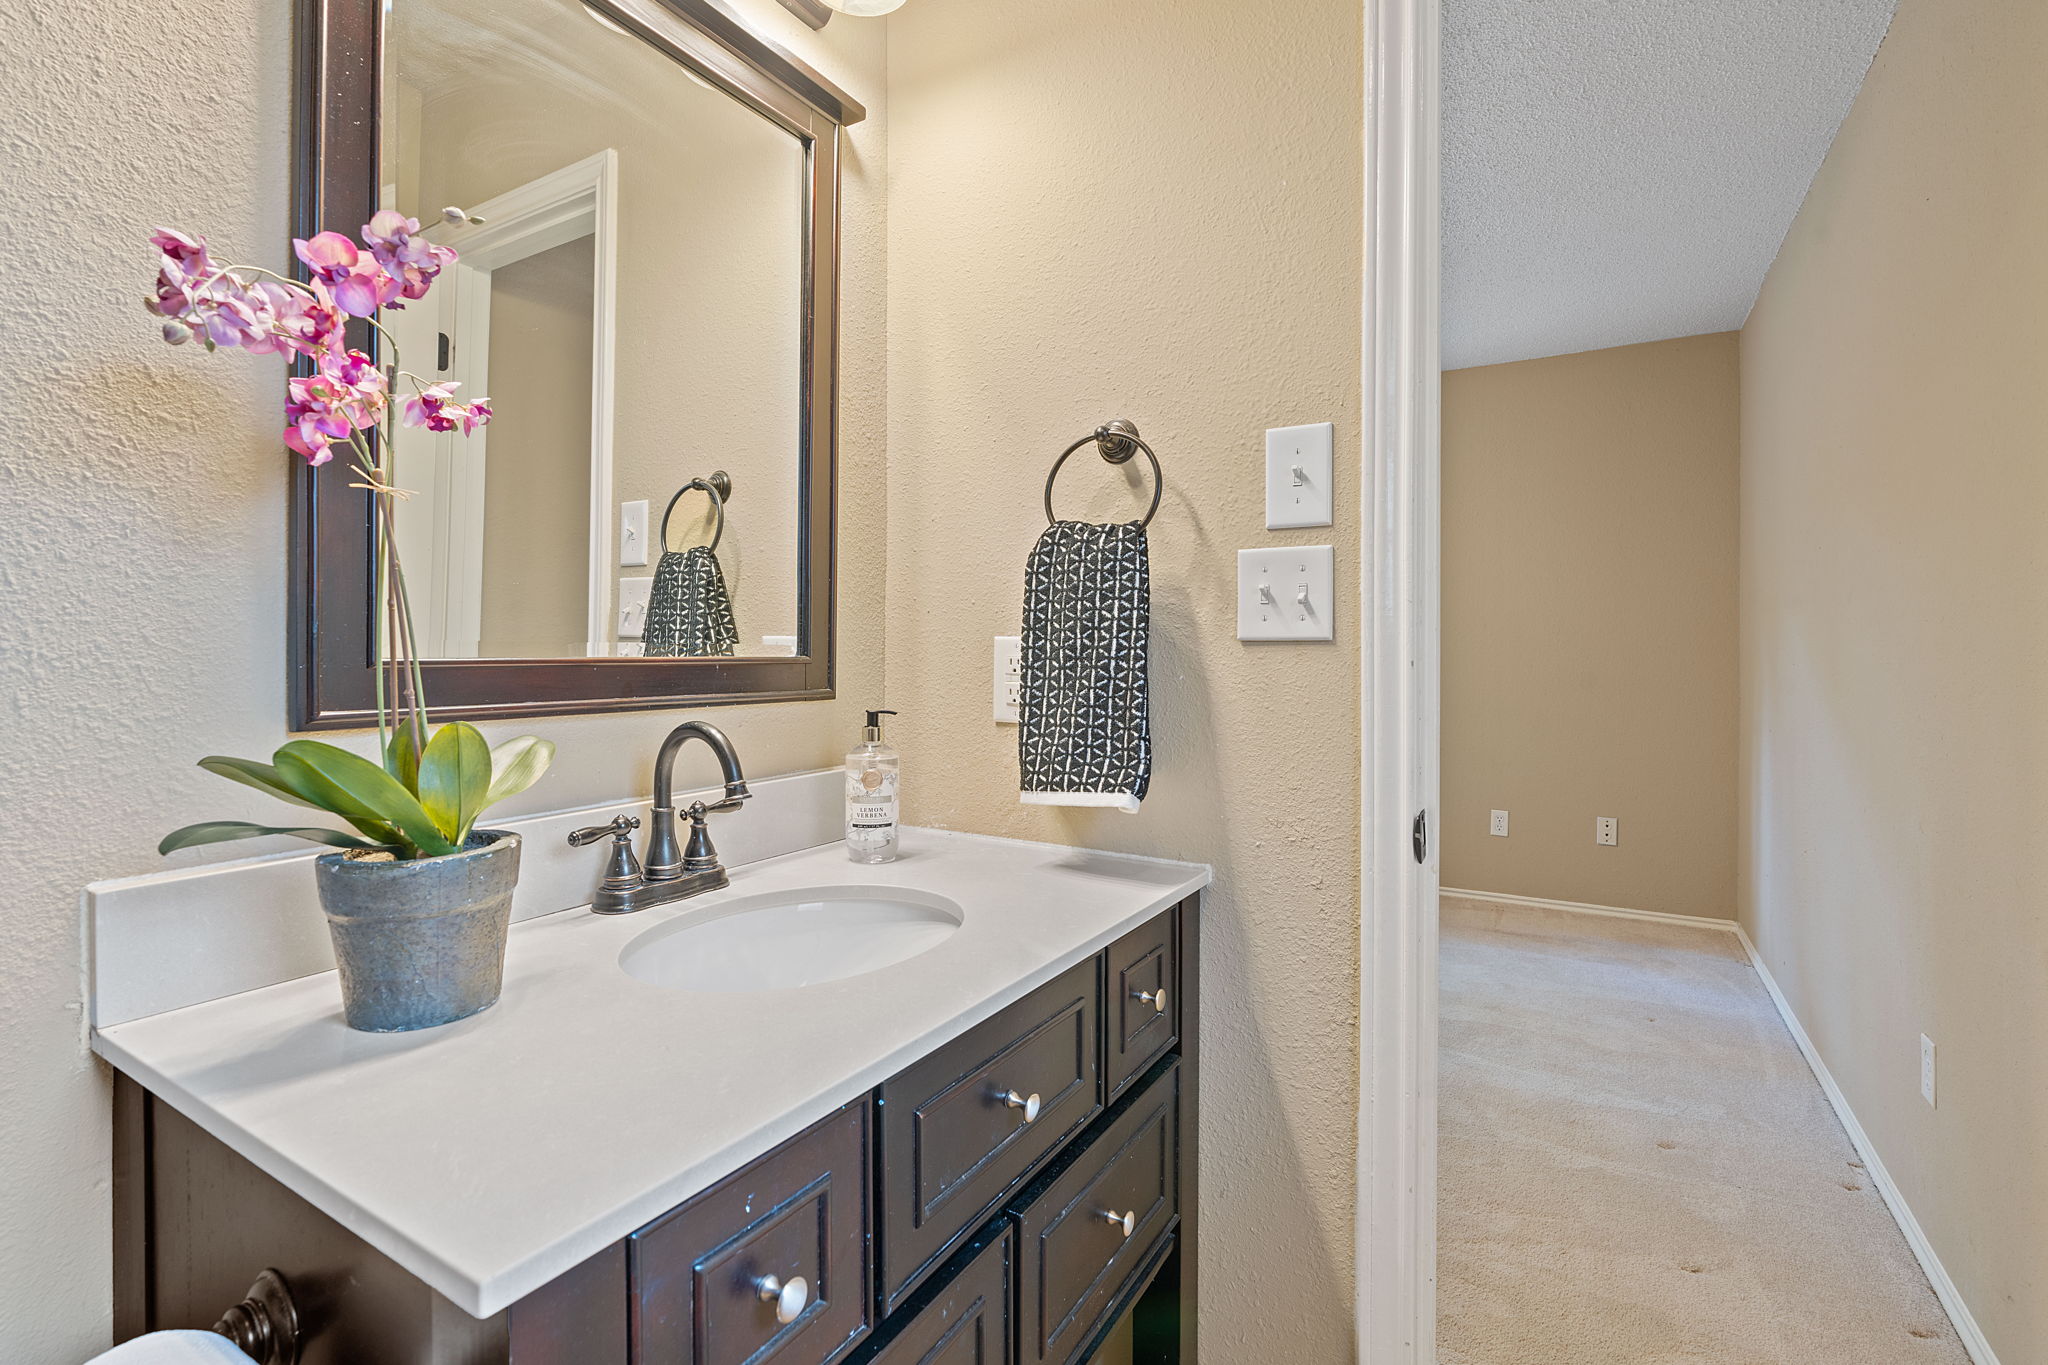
1944 1288
1611 911
1974 1343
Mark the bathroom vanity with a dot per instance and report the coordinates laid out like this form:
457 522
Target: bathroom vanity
982 1153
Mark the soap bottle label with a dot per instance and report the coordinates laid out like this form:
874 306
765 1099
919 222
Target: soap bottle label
870 808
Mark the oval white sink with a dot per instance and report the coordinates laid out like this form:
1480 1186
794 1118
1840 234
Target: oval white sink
782 939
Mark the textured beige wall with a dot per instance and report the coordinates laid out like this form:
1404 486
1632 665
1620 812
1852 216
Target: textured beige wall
1895 633
1589 636
141 583
1150 209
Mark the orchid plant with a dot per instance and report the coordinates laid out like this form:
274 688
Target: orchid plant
433 783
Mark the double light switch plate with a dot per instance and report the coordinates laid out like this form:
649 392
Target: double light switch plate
1286 593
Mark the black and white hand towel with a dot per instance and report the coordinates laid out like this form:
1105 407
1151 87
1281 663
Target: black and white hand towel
1084 736
689 614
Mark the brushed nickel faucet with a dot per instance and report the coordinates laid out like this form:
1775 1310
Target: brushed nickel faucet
670 873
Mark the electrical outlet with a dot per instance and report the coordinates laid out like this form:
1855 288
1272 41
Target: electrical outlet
1009 678
1927 1070
1606 830
1500 824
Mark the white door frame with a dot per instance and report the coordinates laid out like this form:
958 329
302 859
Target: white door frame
581 199
1396 1246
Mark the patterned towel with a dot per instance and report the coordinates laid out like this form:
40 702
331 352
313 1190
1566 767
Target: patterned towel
1084 738
688 612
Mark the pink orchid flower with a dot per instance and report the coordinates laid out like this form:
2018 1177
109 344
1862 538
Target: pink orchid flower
433 408
347 393
360 287
406 256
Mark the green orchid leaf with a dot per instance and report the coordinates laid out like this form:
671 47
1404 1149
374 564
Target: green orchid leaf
402 757
321 794
455 772
516 765
220 831
250 773
337 779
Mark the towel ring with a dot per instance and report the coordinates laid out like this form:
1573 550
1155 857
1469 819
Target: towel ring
719 488
1117 441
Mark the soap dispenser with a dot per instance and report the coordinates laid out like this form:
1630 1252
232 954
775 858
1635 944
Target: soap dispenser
872 772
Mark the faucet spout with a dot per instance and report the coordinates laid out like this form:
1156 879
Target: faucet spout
665 860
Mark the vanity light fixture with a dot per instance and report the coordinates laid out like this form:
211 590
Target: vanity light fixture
817 12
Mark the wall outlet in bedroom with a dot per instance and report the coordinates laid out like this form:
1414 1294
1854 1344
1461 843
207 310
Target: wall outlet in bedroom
1607 830
1927 1070
1499 827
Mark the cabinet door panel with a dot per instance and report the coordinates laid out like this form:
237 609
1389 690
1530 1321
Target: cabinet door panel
1089 1230
705 1275
956 1133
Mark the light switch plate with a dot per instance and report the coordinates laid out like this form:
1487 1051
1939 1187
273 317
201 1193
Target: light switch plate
1286 593
1298 464
633 534
634 594
1009 677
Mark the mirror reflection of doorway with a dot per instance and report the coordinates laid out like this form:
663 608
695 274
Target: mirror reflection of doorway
524 318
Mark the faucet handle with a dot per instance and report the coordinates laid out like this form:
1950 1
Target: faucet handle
621 828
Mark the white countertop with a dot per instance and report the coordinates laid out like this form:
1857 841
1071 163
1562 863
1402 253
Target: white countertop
491 1155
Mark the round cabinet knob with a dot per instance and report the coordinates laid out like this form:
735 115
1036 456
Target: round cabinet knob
789 1299
1127 1221
1028 1103
1156 999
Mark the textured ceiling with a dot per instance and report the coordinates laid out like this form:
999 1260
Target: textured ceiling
1617 171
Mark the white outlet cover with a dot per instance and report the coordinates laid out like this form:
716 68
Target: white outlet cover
1927 1070
1302 498
1286 592
1009 677
1499 826
1607 830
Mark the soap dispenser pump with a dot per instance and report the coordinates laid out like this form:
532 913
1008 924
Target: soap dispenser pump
872 774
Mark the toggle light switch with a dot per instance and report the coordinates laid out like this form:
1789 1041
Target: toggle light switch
634 595
1298 461
1286 593
633 534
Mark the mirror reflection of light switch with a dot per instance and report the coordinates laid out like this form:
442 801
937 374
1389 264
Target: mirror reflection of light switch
1298 461
634 594
633 534
1286 593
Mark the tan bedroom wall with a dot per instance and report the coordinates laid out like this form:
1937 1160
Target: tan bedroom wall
1895 633
1589 632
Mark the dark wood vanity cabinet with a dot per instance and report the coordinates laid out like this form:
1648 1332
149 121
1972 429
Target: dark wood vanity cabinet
1005 1200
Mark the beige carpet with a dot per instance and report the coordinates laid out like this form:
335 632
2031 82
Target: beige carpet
1637 1166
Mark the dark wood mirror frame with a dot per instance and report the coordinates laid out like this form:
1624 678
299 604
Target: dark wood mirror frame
335 187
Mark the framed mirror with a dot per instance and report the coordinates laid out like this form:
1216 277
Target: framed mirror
646 294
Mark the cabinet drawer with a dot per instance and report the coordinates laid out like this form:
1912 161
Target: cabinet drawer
955 1139
1141 1018
966 1321
702 1276
1073 1263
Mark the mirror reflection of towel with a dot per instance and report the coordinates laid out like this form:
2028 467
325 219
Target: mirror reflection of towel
688 611
1083 735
